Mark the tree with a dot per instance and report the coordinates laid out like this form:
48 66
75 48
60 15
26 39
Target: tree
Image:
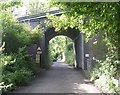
36 7
9 4
57 47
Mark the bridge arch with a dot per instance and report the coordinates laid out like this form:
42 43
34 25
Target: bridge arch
49 33
77 38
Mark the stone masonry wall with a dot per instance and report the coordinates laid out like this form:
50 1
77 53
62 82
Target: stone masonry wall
95 49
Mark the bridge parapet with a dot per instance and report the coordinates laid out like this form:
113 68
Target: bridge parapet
38 16
34 20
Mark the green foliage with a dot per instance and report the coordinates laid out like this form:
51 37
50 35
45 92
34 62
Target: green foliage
107 71
51 57
69 57
17 78
62 46
70 46
36 7
17 66
22 76
16 69
10 3
14 34
57 47
23 59
4 88
36 34
62 22
19 34
14 62
69 54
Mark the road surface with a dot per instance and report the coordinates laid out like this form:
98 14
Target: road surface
60 78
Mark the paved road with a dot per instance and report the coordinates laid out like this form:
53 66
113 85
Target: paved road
61 78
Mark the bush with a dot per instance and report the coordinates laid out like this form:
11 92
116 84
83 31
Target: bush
105 73
70 46
36 34
13 76
69 54
23 59
17 78
19 37
17 69
15 35
4 88
17 66
21 77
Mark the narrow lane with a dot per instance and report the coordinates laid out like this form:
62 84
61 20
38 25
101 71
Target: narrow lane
60 78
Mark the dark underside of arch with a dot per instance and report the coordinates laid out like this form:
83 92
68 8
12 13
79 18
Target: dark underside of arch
71 33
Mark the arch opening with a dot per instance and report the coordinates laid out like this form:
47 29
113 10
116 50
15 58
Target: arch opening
61 50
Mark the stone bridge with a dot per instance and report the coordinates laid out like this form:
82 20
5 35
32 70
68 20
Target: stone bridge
49 33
